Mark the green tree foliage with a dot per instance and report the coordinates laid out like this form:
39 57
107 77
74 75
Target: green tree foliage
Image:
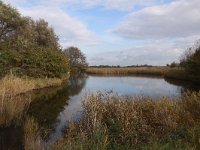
11 23
190 61
76 58
174 64
45 35
29 47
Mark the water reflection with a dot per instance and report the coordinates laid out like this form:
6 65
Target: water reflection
183 85
133 85
48 105
54 107
11 138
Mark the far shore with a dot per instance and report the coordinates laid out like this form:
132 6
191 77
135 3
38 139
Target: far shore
176 73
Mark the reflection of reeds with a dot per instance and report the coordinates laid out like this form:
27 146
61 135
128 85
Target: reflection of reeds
13 105
129 70
32 139
116 122
12 108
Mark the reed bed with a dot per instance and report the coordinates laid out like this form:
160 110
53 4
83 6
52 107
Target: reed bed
129 70
14 85
116 122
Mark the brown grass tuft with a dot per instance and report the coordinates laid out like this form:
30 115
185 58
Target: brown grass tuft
117 122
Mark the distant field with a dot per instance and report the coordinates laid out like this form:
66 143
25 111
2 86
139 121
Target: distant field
130 70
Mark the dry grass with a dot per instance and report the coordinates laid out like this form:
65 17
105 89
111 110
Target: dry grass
11 85
32 139
15 85
116 122
12 109
129 70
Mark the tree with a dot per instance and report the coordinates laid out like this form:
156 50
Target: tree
45 35
11 22
29 47
174 64
190 60
77 59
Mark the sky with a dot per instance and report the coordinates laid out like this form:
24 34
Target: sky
120 32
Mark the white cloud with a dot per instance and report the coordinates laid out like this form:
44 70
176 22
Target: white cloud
109 4
156 53
178 19
164 31
70 30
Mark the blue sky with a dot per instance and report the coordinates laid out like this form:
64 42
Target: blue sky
120 32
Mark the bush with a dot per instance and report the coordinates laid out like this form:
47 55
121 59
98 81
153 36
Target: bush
190 61
37 62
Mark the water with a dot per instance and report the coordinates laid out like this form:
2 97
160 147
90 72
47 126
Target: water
54 107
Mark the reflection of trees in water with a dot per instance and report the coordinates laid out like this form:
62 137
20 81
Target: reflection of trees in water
183 86
77 83
48 103
11 138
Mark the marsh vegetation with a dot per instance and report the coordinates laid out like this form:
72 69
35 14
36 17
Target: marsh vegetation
110 121
61 116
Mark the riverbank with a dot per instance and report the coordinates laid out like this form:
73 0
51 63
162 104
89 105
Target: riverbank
129 71
110 121
13 105
11 84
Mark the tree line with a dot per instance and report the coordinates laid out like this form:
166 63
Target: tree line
31 48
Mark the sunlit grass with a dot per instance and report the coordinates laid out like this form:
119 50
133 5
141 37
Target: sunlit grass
15 85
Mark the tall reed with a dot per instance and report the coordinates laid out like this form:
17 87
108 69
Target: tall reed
119 122
129 70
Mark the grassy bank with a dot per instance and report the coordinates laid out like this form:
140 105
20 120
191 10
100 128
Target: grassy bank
11 84
129 70
180 74
13 105
116 122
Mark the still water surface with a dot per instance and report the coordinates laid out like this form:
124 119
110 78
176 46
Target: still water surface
54 107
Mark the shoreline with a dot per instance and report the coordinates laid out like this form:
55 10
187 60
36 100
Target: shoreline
13 85
14 101
129 70
164 72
